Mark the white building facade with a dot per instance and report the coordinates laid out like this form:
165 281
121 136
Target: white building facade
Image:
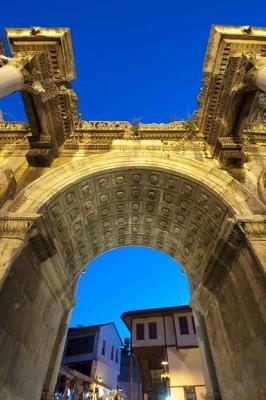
95 351
165 343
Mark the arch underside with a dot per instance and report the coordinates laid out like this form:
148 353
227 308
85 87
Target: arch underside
173 204
136 207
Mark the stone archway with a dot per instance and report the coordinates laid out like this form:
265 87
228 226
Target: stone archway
197 214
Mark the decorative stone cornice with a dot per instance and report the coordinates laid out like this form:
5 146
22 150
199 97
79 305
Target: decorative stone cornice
125 125
262 186
16 226
29 228
13 126
13 140
227 96
93 126
254 229
45 58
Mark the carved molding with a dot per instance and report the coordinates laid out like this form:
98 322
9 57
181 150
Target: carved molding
16 226
226 98
262 186
13 126
30 229
254 229
99 136
7 185
45 58
34 233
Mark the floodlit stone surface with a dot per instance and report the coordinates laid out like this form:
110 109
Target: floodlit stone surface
71 189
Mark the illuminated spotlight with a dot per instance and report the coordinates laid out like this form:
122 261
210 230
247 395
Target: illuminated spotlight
164 362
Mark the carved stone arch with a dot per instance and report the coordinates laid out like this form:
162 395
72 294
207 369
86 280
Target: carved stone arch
71 192
238 198
171 193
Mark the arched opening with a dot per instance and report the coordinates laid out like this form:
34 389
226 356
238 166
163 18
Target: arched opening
197 215
133 279
128 278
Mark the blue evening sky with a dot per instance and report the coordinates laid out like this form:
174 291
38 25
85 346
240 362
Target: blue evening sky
128 278
134 59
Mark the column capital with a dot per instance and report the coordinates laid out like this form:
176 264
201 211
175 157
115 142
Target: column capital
30 229
16 226
254 228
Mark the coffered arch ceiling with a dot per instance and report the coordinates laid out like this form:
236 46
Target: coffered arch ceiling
176 205
136 207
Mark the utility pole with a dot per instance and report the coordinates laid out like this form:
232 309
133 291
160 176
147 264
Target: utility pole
131 365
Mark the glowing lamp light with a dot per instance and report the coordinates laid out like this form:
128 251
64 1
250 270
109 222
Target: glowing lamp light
165 376
164 362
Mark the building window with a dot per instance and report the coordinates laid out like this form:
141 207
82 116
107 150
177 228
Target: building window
193 324
190 393
103 348
183 325
81 345
116 356
140 331
112 353
152 330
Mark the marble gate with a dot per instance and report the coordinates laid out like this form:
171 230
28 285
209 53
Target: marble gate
71 189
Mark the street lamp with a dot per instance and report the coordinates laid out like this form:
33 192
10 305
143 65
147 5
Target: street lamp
164 363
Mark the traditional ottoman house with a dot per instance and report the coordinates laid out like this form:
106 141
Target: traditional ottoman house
165 344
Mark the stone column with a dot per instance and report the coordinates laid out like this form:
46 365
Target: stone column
13 238
35 298
231 297
212 385
11 80
52 373
209 372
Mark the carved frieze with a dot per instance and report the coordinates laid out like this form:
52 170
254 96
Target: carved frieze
227 96
255 228
16 226
31 230
50 103
258 111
